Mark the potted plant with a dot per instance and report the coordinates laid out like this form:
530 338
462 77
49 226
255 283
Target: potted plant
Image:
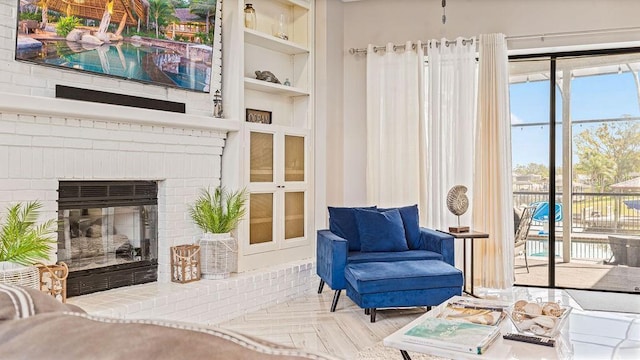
23 243
218 213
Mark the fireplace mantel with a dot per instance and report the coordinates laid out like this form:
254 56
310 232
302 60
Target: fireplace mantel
45 106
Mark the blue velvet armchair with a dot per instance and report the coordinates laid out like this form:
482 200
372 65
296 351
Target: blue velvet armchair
335 252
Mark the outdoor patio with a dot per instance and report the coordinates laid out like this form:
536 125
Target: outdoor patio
581 274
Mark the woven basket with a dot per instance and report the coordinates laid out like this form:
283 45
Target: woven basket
185 263
219 255
27 276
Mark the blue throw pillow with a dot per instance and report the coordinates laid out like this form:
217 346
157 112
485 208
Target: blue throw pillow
411 222
381 231
342 222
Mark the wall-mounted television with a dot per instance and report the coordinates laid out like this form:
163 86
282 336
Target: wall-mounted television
163 42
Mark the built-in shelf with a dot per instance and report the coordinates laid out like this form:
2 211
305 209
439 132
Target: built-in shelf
266 41
278 89
301 3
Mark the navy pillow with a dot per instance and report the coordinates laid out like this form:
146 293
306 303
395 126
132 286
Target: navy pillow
381 231
342 222
411 222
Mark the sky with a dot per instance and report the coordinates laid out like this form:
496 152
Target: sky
592 97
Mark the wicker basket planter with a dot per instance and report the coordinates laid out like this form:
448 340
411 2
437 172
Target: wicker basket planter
27 276
219 255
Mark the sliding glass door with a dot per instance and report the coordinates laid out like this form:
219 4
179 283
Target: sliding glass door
593 236
530 104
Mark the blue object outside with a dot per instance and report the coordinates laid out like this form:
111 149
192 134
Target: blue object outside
541 213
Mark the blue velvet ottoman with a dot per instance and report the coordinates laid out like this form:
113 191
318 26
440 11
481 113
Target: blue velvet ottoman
401 283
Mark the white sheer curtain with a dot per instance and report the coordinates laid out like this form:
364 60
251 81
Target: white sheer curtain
492 200
451 97
395 126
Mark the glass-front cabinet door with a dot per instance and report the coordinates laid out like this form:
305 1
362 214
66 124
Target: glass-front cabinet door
278 203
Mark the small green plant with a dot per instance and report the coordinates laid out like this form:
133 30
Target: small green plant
66 24
25 15
204 38
220 211
21 240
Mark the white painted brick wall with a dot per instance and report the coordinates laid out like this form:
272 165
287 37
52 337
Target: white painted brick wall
36 80
206 301
37 151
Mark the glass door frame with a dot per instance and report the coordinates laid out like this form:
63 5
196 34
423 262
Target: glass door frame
553 58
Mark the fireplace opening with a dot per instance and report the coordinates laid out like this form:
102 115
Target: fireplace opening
108 234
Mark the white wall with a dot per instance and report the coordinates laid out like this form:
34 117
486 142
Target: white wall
329 108
381 21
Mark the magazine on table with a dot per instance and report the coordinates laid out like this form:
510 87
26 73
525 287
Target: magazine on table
473 313
453 335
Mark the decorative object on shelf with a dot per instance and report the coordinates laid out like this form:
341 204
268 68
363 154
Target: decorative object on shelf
250 21
258 116
185 263
217 214
458 203
53 280
22 243
217 104
287 82
267 76
280 28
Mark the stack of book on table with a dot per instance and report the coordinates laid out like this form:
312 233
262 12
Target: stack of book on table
469 326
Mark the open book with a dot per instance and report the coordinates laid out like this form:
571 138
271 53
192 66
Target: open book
453 335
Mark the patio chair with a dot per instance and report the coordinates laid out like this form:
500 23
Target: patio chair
523 231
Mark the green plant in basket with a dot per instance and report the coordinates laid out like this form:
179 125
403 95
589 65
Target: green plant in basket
22 241
219 211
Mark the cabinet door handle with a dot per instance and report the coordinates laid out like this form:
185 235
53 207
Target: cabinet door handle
280 186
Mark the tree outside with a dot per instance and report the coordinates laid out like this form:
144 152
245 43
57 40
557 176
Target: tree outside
609 153
206 9
161 13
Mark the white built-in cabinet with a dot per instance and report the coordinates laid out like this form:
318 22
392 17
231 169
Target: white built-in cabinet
276 158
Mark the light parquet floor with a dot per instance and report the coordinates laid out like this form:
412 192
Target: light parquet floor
307 323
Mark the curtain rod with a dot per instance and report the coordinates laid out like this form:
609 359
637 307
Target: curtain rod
354 51
574 33
542 36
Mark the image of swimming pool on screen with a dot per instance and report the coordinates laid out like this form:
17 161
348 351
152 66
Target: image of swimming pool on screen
172 49
127 60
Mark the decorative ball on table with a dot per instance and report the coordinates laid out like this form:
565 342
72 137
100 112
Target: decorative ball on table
458 203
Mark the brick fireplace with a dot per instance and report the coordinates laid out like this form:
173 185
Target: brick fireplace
45 142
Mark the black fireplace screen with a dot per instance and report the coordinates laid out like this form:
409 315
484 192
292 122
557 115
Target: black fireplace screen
107 228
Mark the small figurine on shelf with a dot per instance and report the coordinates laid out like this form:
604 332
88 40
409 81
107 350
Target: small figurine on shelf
287 82
250 17
280 29
217 104
267 76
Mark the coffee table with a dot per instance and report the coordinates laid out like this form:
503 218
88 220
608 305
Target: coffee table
585 335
